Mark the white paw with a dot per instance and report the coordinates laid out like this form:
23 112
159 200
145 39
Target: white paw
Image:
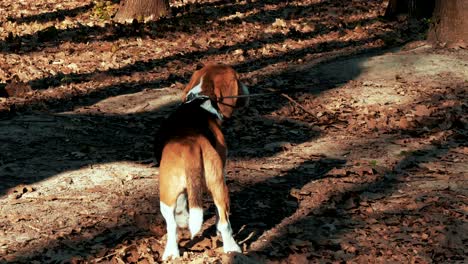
171 252
231 246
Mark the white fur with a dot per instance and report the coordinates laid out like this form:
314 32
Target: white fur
181 213
195 220
172 249
197 89
229 244
209 107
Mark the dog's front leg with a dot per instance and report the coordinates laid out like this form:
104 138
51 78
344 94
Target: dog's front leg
172 249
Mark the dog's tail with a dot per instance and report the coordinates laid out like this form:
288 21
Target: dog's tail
194 171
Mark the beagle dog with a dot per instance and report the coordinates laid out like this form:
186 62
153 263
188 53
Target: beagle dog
192 154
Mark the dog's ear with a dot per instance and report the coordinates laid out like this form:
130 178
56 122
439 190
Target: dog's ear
226 85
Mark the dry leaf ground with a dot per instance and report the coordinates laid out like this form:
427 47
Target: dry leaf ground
370 168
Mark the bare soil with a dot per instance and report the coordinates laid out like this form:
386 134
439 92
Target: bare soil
366 162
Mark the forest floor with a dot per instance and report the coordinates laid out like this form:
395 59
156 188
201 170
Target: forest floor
366 163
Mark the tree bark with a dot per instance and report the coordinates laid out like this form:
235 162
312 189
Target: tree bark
141 10
396 7
414 8
449 22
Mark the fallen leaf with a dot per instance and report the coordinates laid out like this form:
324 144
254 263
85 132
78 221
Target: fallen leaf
404 123
117 260
362 170
422 110
298 258
279 23
298 243
338 172
204 244
132 255
16 89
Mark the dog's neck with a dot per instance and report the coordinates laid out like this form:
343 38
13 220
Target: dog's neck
195 93
208 106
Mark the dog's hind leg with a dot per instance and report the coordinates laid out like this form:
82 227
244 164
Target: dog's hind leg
172 249
171 190
221 200
220 193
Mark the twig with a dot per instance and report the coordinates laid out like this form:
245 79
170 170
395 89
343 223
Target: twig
117 251
247 238
54 198
33 227
241 229
293 101
144 107
298 104
106 256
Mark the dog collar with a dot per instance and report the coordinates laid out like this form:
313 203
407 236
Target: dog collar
208 106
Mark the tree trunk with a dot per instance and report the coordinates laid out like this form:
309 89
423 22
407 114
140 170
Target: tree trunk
414 8
449 22
396 7
141 10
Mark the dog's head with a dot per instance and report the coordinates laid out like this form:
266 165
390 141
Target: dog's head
220 83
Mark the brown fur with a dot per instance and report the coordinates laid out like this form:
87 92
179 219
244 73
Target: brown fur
219 81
